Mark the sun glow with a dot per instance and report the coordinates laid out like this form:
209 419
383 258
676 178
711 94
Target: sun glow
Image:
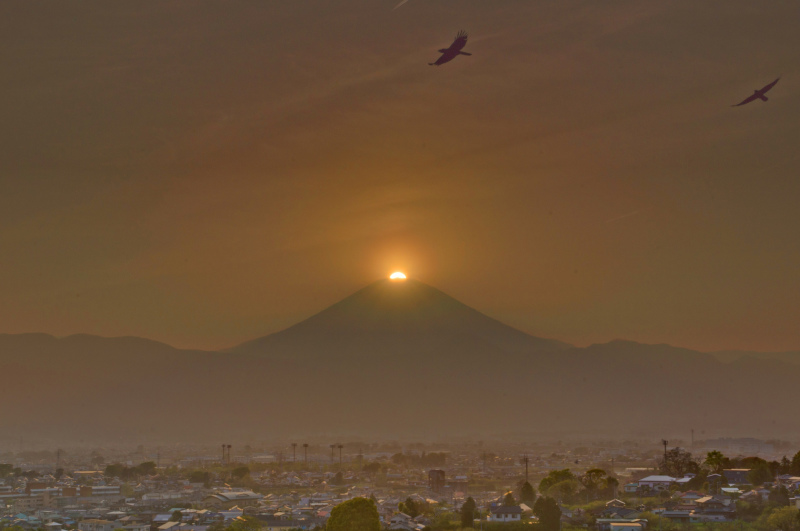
397 275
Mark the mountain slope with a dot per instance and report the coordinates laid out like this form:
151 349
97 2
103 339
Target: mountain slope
396 318
392 360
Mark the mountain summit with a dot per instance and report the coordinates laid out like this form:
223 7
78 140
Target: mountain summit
388 318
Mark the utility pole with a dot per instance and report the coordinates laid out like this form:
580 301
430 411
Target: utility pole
229 454
305 453
332 447
339 446
665 443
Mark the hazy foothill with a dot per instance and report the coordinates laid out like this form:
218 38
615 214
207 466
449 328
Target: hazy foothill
393 359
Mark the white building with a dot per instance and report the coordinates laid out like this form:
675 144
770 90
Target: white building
506 514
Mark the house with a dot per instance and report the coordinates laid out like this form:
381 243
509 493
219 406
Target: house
619 524
656 483
625 526
737 476
631 488
689 497
96 525
616 512
506 514
404 522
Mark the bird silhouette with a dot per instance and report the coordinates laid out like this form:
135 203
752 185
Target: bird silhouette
448 54
758 94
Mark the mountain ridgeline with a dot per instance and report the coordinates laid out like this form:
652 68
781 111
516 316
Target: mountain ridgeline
395 359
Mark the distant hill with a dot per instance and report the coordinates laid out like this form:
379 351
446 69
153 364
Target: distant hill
733 355
395 359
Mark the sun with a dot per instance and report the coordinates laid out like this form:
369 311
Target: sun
397 275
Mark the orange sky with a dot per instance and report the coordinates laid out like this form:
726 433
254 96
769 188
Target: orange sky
205 173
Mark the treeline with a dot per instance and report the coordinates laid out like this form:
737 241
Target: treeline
678 462
116 470
433 459
569 487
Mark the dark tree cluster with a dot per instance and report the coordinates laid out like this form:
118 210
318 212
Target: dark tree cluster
423 460
148 468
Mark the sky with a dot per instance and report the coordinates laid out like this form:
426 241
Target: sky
203 173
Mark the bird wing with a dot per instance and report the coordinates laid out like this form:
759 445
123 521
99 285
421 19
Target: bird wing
447 56
746 101
460 41
770 85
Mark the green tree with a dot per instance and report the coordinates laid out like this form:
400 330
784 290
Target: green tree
612 484
716 462
784 519
245 523
5 469
240 472
677 463
372 468
565 490
779 496
148 468
409 507
508 499
468 513
760 474
795 465
358 514
177 516
527 494
548 512
555 476
115 470
593 480
200 476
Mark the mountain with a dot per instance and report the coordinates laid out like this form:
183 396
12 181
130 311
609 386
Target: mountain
396 318
733 355
395 359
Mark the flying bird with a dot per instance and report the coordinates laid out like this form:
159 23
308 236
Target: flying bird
448 54
758 94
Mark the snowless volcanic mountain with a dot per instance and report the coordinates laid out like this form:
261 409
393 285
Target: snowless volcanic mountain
396 318
395 359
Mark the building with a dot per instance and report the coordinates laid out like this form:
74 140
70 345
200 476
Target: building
436 480
506 514
96 525
656 483
737 476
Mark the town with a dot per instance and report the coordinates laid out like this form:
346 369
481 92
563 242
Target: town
725 484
